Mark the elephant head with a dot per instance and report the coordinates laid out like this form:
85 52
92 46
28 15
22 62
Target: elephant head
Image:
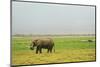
33 44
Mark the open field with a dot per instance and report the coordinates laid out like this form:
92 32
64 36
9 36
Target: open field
67 49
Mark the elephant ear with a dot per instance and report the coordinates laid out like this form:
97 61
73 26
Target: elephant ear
35 42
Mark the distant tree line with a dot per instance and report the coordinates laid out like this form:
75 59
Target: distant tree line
22 35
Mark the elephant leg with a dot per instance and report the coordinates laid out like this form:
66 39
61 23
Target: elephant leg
37 49
48 50
40 50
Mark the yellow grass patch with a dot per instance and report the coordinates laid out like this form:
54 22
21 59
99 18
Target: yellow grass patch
70 55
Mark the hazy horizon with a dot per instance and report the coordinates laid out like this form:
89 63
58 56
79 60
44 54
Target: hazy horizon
40 18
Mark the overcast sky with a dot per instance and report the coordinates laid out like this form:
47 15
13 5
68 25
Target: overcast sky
40 18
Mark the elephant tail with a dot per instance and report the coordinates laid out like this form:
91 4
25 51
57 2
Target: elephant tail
54 48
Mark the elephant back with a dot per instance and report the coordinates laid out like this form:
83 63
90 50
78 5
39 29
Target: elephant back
45 41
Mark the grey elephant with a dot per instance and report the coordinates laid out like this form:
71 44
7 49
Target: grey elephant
43 43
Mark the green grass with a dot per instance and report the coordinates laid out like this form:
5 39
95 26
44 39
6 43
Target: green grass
67 49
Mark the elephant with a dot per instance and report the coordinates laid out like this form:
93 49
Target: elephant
43 43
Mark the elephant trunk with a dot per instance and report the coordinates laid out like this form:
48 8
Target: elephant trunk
31 47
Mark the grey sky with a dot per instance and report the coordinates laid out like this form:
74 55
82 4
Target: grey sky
40 18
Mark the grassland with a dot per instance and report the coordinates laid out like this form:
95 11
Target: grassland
67 49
